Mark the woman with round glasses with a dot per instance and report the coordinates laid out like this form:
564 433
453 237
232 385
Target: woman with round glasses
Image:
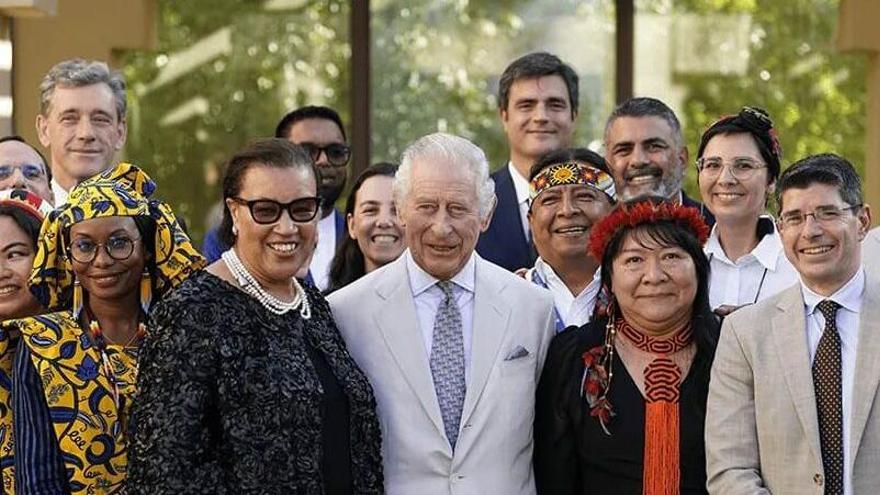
245 385
21 214
738 163
374 237
102 260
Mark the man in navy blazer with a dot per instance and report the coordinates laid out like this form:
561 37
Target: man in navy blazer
646 152
538 105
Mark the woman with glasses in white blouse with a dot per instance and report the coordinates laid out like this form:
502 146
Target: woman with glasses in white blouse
738 163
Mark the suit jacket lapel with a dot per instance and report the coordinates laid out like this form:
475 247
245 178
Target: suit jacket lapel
507 211
491 318
867 372
399 325
789 334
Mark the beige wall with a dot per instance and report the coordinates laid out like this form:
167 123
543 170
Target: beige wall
92 29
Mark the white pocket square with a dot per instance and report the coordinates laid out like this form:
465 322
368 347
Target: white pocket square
518 352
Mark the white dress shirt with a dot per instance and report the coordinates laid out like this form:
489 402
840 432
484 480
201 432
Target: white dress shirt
59 192
849 297
760 274
428 297
324 251
521 185
573 310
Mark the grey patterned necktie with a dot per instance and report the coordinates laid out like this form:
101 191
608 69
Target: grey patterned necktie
829 403
447 362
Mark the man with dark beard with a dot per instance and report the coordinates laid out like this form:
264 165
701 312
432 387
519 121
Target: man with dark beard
646 152
318 129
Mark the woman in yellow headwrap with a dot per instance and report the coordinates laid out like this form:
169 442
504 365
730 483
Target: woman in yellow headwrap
107 255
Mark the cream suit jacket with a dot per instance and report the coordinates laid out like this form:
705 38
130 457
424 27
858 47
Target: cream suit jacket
493 454
762 433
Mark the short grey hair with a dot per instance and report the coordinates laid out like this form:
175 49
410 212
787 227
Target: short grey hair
446 150
77 72
644 106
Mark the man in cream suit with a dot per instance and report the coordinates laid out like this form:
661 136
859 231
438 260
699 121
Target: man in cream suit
793 400
452 344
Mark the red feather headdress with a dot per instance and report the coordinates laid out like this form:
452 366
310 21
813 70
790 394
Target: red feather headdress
647 211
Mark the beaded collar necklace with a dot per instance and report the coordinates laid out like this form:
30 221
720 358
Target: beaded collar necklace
250 285
100 341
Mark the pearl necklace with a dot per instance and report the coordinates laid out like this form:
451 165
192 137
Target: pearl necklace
250 285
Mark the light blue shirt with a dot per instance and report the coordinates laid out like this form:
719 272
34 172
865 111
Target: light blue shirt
849 297
428 297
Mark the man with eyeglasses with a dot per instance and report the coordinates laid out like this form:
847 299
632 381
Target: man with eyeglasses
646 152
23 167
319 130
793 401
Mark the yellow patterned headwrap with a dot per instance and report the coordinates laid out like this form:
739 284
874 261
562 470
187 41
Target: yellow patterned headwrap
560 174
124 190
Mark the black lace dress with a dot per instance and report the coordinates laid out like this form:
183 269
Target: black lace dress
233 399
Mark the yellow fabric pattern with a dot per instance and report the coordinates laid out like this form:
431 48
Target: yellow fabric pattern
124 190
87 423
7 470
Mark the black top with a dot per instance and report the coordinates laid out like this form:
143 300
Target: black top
233 399
573 455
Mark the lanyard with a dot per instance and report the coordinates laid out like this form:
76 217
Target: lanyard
537 280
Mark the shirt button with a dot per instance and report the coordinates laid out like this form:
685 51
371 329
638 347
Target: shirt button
818 479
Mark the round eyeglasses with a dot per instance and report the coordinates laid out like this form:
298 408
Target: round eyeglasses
266 211
337 154
119 248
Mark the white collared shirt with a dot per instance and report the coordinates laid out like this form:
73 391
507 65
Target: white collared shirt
324 251
428 297
760 274
521 186
849 297
573 310
59 192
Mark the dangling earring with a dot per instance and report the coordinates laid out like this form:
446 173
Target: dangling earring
234 230
146 291
77 299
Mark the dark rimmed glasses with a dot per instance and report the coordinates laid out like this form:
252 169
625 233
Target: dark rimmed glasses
337 154
119 248
822 214
266 211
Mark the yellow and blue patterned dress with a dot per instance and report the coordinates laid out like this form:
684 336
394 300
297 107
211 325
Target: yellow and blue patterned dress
76 436
7 354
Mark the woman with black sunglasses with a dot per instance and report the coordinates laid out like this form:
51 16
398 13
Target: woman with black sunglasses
245 384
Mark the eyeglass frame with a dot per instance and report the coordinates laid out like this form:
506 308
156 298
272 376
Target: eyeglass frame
98 245
282 207
21 168
315 152
759 166
780 222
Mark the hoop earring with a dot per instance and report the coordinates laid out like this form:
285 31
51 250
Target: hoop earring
77 304
146 291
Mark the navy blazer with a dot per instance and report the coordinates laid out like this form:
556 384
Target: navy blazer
504 242
707 215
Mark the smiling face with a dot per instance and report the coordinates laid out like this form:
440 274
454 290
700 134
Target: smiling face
654 286
373 223
107 279
538 118
16 258
644 157
441 218
27 170
274 253
825 254
82 131
729 198
560 219
322 132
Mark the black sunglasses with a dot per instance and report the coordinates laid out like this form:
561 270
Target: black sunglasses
266 211
337 154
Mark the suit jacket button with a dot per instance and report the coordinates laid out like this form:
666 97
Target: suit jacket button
818 479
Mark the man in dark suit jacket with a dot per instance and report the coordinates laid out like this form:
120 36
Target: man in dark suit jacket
538 105
646 152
